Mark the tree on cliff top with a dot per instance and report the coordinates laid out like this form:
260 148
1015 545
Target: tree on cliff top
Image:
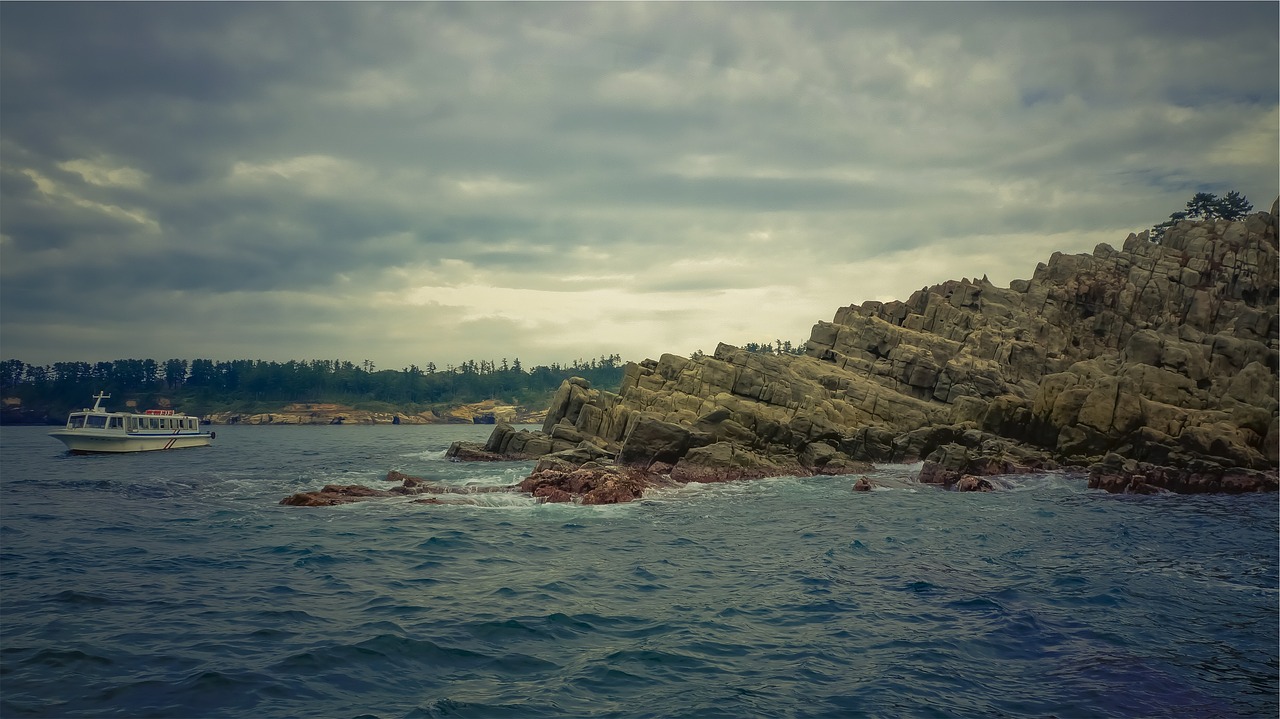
1208 206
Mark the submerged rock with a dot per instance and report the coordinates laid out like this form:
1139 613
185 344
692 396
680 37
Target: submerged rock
333 494
590 484
970 483
1127 476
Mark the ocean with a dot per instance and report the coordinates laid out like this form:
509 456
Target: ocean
173 584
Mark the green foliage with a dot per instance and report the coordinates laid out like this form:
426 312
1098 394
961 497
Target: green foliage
777 347
1207 206
203 386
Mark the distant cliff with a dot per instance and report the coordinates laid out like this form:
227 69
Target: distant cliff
486 412
1154 366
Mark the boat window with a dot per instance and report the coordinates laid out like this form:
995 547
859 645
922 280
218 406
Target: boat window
117 422
76 421
96 421
155 423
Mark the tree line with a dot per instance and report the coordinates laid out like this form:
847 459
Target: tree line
202 386
776 347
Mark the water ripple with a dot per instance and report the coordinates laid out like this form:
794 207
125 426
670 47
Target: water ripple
792 597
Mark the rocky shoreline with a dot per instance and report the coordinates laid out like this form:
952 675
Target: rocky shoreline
1152 368
310 413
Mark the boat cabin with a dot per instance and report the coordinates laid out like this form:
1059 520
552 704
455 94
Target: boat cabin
154 420
79 420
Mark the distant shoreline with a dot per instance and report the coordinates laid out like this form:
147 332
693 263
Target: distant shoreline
487 412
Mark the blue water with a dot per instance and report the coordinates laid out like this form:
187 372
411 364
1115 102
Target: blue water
172 584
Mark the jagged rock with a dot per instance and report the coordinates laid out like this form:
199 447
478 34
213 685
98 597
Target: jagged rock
863 485
567 460
822 458
726 461
1163 353
505 442
462 451
650 440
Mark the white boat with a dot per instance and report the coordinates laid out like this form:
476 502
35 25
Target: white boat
97 430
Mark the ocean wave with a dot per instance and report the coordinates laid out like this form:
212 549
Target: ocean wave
403 653
427 455
787 597
70 596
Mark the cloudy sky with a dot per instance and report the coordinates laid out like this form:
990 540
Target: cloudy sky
419 182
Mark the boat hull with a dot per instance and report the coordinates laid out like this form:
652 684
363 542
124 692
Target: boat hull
91 442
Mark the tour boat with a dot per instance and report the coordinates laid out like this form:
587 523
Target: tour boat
97 430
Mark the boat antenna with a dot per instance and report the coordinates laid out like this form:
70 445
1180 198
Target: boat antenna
97 400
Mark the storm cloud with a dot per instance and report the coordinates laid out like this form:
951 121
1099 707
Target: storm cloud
421 182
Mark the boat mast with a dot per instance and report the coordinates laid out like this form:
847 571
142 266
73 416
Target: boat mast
97 400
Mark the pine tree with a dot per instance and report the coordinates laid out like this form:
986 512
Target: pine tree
1208 206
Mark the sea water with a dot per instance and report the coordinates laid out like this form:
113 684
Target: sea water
173 584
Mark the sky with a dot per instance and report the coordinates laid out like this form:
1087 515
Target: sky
407 183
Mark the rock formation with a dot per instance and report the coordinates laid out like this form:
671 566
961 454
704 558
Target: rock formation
1154 366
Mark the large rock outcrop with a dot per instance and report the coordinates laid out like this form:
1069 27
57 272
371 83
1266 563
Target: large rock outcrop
1155 365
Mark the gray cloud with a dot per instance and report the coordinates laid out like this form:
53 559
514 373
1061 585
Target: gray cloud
412 182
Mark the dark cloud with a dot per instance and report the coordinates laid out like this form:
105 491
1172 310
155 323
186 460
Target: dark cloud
326 178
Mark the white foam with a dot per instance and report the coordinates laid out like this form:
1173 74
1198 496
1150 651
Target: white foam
429 455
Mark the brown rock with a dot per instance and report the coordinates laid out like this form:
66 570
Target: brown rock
970 483
595 484
333 494
549 493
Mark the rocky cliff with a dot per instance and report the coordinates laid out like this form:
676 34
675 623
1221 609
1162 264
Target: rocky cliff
1153 365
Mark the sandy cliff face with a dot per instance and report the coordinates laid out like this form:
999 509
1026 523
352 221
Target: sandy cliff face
1154 364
